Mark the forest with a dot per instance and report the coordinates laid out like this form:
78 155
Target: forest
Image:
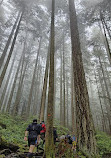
55 66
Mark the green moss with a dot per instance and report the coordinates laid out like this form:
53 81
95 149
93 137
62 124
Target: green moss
2 156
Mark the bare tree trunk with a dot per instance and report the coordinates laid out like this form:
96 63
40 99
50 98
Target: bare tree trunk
7 82
85 126
4 106
105 102
15 80
103 117
19 91
64 103
13 87
104 23
33 80
108 76
36 96
43 98
8 42
108 94
106 40
67 87
73 107
49 144
10 52
61 99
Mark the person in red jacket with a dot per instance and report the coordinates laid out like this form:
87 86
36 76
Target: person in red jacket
42 132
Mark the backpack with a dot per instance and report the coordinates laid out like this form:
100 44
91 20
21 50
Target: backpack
69 139
43 130
34 130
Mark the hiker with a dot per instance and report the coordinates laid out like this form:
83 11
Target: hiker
62 137
55 134
69 139
74 142
33 133
42 132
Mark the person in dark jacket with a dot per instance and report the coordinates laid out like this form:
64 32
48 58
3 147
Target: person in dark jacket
69 139
33 133
55 134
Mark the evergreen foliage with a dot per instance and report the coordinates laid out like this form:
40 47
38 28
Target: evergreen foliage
103 142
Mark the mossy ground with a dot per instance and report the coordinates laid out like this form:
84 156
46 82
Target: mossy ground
14 133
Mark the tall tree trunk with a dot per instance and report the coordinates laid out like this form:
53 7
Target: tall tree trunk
4 106
15 79
7 82
33 80
10 52
104 23
64 88
73 107
107 91
108 94
105 102
108 76
61 104
13 87
8 42
85 126
36 96
19 91
106 39
67 87
103 117
22 75
43 98
49 144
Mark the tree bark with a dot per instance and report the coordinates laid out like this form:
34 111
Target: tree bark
7 82
10 52
49 142
106 40
103 117
33 80
67 87
19 91
43 98
64 88
15 80
73 107
85 126
106 103
61 99
8 42
108 94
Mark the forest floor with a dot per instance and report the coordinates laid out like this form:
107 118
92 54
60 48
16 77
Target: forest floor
12 144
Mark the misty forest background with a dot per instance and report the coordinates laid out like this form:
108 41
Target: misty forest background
55 62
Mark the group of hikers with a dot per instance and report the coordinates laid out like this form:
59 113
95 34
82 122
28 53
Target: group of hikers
35 132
